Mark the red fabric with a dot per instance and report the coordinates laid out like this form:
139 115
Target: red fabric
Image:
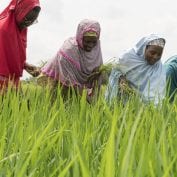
12 40
4 83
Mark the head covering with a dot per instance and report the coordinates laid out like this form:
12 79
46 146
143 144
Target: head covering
149 80
87 26
72 65
12 40
158 42
91 33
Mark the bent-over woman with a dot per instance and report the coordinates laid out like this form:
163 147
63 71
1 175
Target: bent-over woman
141 69
77 59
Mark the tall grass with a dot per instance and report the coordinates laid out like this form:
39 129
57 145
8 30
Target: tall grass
77 139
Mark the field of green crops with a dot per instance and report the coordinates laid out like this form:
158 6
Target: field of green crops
77 139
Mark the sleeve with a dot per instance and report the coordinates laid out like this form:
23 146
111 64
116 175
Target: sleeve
171 75
113 85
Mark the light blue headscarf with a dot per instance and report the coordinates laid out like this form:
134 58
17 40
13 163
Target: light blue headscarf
148 80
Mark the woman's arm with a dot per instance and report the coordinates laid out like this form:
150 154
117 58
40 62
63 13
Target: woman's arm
32 70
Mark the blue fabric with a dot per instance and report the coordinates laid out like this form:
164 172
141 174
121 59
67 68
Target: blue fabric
171 74
113 85
148 80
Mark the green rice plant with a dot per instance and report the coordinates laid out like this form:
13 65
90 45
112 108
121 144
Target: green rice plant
72 138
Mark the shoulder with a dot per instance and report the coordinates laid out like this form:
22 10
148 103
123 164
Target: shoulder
69 44
171 60
170 70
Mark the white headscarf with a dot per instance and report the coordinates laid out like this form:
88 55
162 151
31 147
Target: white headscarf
149 80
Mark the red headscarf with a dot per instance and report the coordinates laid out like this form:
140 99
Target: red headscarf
12 40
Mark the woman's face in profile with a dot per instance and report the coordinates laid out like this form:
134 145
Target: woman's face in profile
29 18
153 54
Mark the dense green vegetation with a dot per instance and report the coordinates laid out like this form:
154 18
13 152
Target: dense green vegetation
77 139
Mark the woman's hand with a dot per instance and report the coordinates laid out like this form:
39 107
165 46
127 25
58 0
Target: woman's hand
33 70
124 86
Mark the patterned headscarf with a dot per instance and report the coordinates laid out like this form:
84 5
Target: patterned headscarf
158 42
91 33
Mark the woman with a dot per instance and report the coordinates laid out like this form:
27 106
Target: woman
171 72
141 69
14 21
76 60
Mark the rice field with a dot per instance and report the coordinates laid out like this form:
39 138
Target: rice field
77 139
